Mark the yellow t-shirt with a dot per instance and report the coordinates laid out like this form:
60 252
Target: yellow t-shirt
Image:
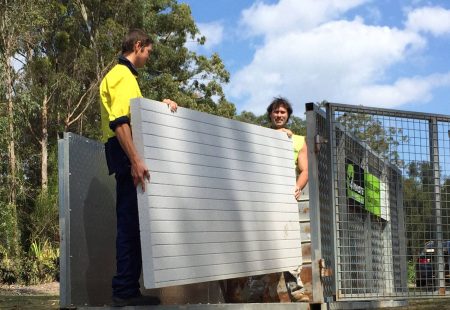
116 90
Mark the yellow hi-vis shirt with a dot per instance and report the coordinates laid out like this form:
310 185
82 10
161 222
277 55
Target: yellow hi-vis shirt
298 142
116 89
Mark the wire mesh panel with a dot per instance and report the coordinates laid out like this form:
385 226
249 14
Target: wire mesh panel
390 189
325 197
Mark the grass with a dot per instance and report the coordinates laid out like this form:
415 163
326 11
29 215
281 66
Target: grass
427 304
29 302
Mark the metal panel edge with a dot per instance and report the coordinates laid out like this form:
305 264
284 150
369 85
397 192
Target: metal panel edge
314 207
388 112
64 220
136 120
211 119
331 146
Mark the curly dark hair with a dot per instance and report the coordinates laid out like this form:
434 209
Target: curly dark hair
279 102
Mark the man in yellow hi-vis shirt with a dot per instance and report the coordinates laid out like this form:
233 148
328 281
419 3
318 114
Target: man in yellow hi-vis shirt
116 89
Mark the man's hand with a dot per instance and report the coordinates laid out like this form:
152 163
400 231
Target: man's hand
140 174
297 193
287 131
171 104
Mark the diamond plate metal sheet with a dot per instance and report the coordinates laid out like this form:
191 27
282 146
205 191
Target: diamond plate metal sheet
87 210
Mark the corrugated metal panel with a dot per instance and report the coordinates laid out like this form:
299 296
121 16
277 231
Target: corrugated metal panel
220 203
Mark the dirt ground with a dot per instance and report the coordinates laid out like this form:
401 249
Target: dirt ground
34 297
430 304
45 296
51 289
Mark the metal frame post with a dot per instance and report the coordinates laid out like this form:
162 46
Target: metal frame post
434 158
314 203
64 219
332 158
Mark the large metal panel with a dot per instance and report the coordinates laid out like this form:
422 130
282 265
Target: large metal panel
87 222
191 201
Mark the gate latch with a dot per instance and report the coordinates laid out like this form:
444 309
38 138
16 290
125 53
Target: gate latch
318 141
324 270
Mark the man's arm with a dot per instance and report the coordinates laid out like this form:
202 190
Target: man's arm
302 163
139 170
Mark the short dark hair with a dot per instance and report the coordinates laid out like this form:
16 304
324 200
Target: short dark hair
133 36
279 102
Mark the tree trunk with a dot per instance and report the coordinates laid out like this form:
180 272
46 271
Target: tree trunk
11 143
12 161
44 145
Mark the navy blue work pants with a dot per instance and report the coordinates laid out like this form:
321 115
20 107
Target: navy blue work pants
128 246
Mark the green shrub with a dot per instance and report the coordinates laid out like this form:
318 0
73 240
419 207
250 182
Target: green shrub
41 265
9 268
44 220
9 235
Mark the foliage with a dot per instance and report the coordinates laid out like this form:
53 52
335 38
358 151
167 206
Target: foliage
445 198
296 124
42 264
418 202
44 218
9 267
368 128
411 272
6 233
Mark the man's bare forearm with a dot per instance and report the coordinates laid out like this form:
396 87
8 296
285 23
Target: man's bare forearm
302 179
302 164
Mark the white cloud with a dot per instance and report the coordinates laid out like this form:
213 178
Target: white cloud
214 35
335 61
403 91
272 19
435 20
317 54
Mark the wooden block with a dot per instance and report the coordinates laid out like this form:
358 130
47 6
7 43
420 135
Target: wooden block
306 253
303 211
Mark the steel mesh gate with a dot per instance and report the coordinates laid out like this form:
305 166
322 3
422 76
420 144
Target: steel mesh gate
380 197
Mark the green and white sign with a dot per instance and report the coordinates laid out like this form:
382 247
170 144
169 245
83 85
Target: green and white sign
372 194
364 188
355 184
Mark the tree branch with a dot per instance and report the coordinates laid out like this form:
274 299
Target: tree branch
69 119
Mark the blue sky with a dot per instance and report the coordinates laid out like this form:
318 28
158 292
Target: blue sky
384 53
